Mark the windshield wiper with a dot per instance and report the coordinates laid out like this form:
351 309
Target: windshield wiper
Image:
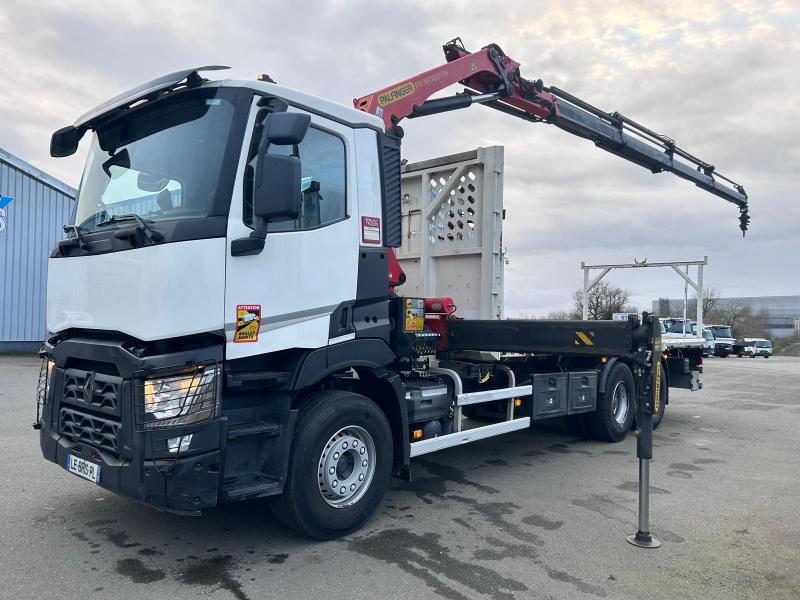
82 243
141 225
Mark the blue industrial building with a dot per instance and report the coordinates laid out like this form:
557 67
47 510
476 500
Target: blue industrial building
33 210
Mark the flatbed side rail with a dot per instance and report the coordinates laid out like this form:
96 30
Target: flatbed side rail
595 338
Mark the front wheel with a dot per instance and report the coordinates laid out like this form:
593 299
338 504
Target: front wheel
616 406
339 467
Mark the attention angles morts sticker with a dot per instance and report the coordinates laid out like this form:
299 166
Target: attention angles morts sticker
248 323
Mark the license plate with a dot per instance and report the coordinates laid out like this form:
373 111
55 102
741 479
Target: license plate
83 468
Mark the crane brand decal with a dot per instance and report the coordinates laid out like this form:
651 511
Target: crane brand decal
248 322
398 93
370 230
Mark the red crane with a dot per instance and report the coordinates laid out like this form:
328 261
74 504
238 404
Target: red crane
493 79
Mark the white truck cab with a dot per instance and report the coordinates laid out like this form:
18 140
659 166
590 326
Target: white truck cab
198 194
722 344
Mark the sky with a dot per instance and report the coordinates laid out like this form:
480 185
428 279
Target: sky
718 77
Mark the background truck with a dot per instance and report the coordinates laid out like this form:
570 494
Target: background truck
206 201
722 344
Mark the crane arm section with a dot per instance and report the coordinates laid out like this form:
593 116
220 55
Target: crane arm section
493 79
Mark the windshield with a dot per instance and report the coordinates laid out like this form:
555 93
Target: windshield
722 332
677 327
708 335
764 344
161 163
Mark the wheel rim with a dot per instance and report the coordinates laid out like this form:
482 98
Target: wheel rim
619 403
346 466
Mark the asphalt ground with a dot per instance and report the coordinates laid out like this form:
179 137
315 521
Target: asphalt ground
535 514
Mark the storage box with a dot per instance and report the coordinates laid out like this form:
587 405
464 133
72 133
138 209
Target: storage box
582 391
549 395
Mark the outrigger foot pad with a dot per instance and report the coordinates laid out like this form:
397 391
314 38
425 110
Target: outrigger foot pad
643 539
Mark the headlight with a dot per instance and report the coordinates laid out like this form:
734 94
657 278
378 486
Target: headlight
181 399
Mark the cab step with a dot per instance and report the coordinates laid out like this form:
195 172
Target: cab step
249 486
253 428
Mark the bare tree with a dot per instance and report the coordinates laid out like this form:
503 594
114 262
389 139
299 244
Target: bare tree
710 300
750 324
604 301
710 303
739 316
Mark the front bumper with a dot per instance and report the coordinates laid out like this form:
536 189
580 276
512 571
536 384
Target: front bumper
185 484
90 412
723 349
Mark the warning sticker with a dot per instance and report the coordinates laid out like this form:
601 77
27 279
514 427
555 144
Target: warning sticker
415 314
248 322
370 230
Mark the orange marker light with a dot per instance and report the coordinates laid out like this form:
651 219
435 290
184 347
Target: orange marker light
417 434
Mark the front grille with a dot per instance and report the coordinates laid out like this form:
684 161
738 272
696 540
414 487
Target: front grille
96 391
94 430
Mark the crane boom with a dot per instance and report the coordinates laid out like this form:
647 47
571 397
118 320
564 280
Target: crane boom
492 78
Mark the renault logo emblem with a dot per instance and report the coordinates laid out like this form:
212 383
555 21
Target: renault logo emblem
88 387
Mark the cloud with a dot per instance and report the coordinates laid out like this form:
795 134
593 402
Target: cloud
718 77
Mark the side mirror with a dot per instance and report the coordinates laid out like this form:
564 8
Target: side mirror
277 183
64 142
277 196
285 129
277 189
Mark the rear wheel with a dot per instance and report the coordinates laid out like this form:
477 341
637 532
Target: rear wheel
339 466
616 406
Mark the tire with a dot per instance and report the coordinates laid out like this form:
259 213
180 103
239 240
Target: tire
740 355
612 419
659 416
329 421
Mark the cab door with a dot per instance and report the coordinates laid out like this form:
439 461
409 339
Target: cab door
284 296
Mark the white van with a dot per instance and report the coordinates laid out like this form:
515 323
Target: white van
754 347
